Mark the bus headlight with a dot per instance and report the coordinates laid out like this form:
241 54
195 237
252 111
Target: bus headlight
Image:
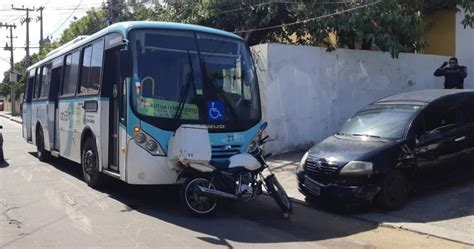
357 168
140 138
151 145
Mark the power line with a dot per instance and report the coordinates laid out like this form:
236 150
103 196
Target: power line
26 20
77 6
310 19
263 4
5 60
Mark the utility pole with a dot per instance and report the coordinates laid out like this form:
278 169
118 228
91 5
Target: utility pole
12 64
26 20
40 19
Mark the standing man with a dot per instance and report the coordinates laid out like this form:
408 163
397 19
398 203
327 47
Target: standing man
453 74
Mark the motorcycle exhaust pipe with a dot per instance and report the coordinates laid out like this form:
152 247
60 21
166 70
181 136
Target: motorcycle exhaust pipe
216 193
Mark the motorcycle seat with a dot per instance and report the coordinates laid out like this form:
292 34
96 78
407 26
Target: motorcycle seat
220 165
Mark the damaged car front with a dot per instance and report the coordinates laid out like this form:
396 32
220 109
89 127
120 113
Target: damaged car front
351 165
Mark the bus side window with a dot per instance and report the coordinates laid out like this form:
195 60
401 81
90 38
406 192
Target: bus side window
36 92
29 85
45 81
56 78
91 70
71 73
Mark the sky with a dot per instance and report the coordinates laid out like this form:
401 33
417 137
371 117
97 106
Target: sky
57 16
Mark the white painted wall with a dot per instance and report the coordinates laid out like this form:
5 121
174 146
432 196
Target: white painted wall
465 49
308 93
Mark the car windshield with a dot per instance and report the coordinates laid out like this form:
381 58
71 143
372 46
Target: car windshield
380 121
211 76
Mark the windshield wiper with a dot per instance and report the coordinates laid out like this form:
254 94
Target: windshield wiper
366 135
184 93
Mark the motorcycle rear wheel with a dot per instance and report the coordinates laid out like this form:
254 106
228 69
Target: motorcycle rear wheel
193 201
278 193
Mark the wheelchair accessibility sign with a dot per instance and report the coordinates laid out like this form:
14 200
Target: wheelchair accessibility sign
215 110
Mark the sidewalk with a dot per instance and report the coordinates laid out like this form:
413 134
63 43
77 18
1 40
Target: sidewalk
446 212
8 115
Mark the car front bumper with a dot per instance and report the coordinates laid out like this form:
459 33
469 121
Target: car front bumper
364 193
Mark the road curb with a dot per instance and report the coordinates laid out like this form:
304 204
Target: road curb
11 119
419 228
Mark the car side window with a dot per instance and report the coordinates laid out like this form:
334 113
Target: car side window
467 109
442 116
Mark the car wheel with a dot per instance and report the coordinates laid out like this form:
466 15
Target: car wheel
394 190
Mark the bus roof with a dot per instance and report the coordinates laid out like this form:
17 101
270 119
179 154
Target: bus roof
124 27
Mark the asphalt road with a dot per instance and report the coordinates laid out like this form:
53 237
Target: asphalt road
47 205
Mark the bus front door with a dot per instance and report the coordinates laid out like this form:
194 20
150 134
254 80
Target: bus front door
53 107
112 84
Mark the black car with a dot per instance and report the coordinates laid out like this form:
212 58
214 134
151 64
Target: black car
391 145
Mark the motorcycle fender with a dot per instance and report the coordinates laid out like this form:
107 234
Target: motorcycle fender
244 160
201 168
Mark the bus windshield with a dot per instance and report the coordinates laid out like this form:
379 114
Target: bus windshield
192 77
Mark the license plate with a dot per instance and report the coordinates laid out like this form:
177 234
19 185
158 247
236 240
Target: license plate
314 188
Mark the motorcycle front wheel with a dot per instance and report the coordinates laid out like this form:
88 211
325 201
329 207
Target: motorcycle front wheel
278 193
193 201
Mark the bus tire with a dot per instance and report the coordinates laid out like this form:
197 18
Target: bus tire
90 165
43 154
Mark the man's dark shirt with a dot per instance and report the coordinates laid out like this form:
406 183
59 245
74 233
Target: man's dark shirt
453 77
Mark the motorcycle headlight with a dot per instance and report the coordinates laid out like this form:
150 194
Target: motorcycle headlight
357 168
253 145
300 167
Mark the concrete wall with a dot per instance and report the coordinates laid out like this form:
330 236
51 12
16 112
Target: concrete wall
8 106
465 49
308 93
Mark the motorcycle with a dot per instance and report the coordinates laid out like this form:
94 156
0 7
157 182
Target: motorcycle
240 178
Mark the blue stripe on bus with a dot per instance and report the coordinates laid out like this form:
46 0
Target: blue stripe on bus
43 101
82 98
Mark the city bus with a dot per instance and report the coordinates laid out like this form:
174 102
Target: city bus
112 100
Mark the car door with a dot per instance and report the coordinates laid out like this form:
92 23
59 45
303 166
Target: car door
467 111
441 145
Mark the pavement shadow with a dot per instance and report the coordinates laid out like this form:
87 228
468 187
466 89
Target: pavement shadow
436 201
4 164
254 219
443 201
247 222
64 165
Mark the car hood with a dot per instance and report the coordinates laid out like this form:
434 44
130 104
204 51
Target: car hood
340 150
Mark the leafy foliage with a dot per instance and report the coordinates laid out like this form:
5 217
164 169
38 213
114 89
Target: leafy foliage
393 26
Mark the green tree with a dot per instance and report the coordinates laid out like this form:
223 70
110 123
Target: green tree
393 26
93 21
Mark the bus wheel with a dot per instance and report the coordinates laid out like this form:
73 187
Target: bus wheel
43 154
90 165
